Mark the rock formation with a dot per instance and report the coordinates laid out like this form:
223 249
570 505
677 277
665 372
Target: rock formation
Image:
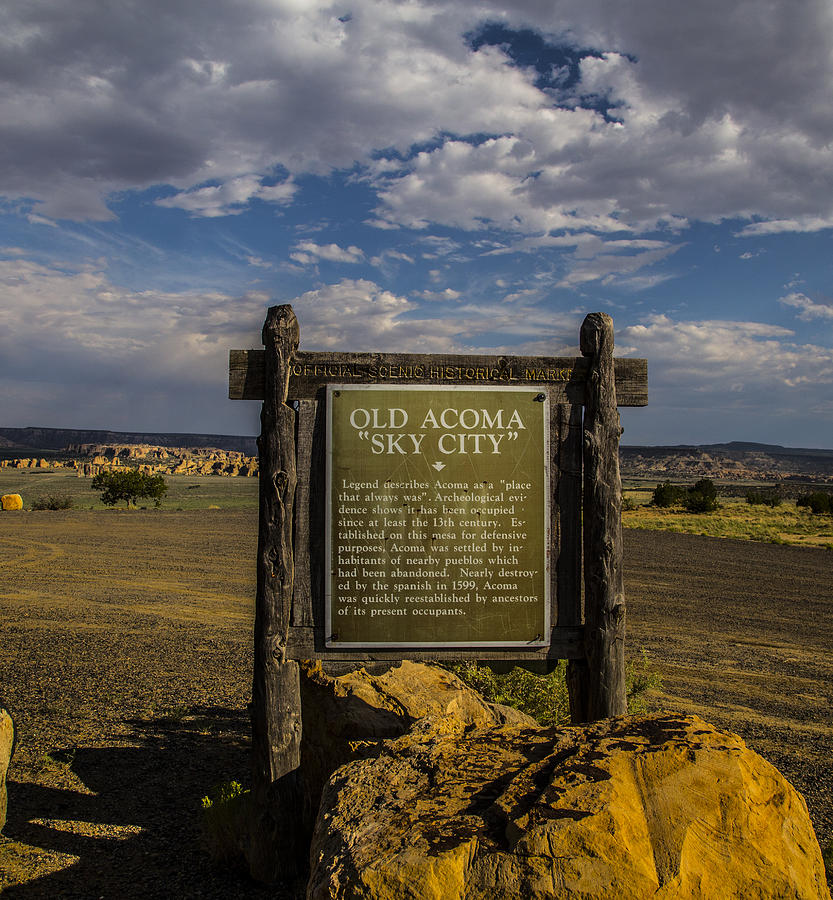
349 716
6 747
11 501
661 806
727 462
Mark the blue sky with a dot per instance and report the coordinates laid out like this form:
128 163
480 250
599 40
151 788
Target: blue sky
417 176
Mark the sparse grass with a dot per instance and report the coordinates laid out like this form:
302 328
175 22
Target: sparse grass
61 757
224 814
173 713
640 678
784 524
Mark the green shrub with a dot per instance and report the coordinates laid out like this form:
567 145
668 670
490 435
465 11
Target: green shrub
56 501
667 494
545 697
818 502
700 497
705 487
224 816
763 498
700 503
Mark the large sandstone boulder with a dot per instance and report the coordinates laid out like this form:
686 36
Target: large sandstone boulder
11 501
6 746
349 716
659 807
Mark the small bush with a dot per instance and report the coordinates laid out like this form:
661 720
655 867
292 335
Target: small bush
699 498
224 814
55 501
667 494
704 487
545 697
763 498
700 503
817 502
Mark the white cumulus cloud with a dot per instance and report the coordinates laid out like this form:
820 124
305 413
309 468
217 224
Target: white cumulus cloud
230 198
808 310
308 252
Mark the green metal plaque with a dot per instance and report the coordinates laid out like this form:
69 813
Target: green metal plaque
437 522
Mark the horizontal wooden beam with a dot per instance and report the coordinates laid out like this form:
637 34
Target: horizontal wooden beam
563 376
567 642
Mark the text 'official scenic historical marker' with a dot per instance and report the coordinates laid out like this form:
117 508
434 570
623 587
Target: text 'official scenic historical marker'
437 521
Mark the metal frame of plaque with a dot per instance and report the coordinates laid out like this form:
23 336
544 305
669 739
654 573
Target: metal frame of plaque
440 611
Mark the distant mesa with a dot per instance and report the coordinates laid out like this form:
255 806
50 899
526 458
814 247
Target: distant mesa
56 439
736 461
196 455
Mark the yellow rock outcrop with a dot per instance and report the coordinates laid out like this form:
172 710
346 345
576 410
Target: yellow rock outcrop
654 807
11 501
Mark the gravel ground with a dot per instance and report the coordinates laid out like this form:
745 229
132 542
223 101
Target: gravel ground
125 658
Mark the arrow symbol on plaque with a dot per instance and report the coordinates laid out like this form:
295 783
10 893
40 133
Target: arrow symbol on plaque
439 466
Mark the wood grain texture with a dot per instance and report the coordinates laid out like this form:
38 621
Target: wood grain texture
554 548
302 582
569 463
570 611
603 579
564 376
310 500
277 849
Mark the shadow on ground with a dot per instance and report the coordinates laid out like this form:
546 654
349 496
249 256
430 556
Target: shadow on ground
138 834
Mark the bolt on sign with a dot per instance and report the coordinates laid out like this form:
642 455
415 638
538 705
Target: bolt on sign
437 519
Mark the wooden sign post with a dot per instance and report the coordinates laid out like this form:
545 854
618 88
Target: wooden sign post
435 508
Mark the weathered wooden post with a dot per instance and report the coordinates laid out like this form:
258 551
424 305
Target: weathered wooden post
276 849
604 594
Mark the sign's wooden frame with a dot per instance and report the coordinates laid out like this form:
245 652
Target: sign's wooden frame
585 523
